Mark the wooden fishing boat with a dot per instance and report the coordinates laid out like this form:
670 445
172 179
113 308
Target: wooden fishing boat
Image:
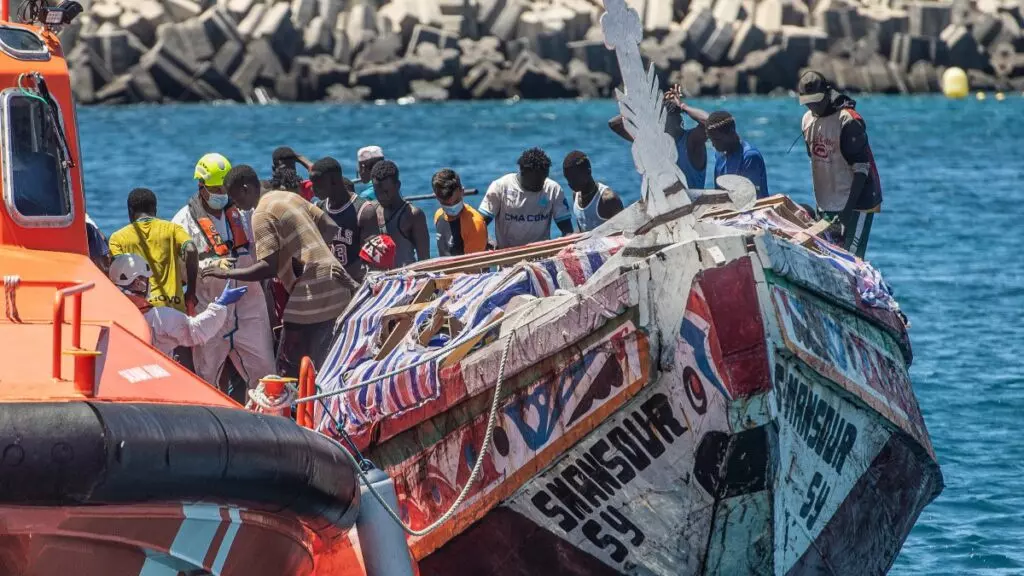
113 459
703 385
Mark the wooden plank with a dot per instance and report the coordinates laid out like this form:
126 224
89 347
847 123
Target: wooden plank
463 350
495 257
394 337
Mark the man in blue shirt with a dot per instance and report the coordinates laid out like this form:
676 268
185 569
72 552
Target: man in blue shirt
734 155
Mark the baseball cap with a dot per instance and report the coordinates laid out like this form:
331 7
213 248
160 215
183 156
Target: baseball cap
369 153
379 252
812 87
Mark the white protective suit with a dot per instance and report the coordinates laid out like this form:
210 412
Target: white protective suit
246 335
172 328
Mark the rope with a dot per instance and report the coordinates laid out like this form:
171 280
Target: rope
259 397
492 421
11 283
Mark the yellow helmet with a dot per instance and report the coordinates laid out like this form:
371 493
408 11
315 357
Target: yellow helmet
212 169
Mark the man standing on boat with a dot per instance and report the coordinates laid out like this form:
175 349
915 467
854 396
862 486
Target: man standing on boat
847 188
460 228
355 217
522 205
163 244
292 243
691 152
403 223
222 234
735 155
366 159
593 202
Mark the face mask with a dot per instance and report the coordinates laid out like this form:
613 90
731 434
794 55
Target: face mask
453 210
217 201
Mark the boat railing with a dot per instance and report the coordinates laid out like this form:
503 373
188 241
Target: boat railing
84 359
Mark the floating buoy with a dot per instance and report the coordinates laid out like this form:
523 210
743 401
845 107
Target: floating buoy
954 83
980 95
1000 96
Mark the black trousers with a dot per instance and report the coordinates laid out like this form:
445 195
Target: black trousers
298 340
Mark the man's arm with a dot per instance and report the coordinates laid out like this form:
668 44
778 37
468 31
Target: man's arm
853 143
490 205
191 257
303 161
565 226
420 234
561 212
618 126
609 204
261 270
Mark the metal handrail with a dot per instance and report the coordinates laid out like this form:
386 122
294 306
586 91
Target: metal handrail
76 320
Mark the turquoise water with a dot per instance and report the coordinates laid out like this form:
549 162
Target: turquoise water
948 242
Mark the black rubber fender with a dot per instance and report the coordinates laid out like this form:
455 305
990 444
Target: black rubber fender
90 453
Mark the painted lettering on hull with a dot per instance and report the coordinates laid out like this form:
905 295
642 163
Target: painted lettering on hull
826 442
581 496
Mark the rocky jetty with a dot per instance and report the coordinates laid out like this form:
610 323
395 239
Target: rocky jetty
124 51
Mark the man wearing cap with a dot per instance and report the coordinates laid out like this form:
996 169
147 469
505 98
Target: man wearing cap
222 235
366 159
847 188
733 155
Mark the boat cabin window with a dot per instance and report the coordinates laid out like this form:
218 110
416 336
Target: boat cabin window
23 44
36 182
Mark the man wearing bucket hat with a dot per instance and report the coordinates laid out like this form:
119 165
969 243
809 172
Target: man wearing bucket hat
366 159
847 188
223 236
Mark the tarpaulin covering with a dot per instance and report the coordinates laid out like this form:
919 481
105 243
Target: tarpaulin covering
474 300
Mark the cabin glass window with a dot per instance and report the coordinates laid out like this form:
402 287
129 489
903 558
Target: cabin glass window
36 178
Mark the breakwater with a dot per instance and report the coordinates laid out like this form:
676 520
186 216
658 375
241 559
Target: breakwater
126 51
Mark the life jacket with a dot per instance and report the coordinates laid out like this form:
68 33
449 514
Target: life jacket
217 245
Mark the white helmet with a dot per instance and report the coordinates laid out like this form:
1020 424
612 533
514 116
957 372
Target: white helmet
125 268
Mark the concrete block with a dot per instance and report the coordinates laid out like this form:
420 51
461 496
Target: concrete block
239 9
318 38
659 16
928 18
340 93
329 9
884 24
729 11
586 83
488 11
962 48
798 43
324 72
276 26
533 77
986 29
595 55
219 26
923 78
1003 58
430 90
552 43
484 81
689 78
747 39
198 44
247 27
507 21
342 47
397 18
271 65
385 81
423 34
106 12
908 49
303 12
181 10
361 25
717 45
143 87
698 26
228 57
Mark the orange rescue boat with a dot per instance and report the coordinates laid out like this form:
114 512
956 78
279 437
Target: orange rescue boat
114 459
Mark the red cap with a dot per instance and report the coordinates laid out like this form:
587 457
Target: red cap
379 252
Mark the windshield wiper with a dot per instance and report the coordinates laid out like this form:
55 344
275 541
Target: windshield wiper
69 162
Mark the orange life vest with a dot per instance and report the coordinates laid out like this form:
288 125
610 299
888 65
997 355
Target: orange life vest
217 244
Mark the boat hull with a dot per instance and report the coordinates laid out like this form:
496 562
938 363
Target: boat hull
768 427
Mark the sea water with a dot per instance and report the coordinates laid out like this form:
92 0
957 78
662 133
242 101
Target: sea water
948 240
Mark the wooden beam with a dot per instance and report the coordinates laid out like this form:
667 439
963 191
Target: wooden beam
495 257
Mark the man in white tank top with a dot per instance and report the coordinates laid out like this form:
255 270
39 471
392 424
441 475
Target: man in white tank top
523 204
593 202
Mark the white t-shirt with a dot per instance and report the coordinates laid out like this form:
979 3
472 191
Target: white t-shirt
522 217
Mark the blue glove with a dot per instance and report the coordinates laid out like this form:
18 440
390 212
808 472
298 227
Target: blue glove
230 295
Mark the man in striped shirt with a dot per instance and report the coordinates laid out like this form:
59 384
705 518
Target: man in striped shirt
292 243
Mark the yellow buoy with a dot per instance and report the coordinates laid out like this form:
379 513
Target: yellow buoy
1000 96
954 83
980 95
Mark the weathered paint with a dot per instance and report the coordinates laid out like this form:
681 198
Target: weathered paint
853 353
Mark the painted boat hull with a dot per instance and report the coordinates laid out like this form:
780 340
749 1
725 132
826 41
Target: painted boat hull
766 427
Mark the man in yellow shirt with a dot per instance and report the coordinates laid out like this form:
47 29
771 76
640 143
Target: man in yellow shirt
162 244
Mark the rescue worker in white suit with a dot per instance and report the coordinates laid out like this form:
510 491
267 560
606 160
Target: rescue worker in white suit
223 236
171 328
